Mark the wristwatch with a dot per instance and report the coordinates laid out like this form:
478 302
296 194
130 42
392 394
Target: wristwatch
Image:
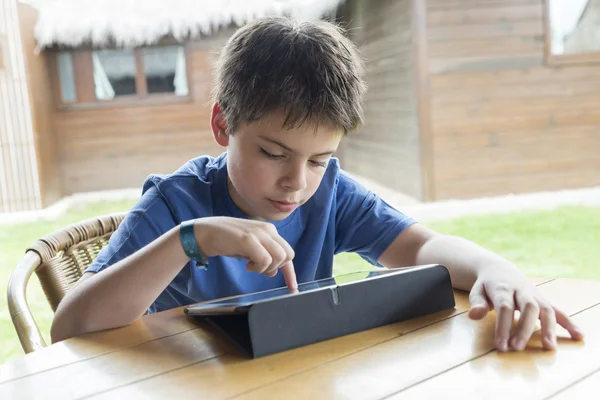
189 244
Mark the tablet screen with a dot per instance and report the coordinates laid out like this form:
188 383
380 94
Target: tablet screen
229 305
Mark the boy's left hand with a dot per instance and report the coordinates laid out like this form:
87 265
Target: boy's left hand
509 291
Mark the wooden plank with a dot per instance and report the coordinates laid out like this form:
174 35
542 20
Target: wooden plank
168 353
160 340
147 329
118 368
557 118
141 84
533 182
83 69
43 98
386 19
485 63
484 15
516 107
389 50
411 358
481 47
521 375
468 32
447 170
527 76
450 4
423 101
580 389
456 142
568 147
232 375
508 92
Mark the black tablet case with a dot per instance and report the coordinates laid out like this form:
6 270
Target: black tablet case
280 324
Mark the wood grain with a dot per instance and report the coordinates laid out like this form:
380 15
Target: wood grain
581 388
149 328
203 376
532 374
414 357
385 30
502 119
118 145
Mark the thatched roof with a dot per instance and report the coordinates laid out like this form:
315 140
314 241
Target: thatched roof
128 23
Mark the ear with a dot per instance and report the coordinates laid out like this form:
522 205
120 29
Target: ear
219 126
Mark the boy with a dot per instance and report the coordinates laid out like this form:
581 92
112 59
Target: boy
285 95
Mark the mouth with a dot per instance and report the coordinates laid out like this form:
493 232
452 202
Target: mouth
284 206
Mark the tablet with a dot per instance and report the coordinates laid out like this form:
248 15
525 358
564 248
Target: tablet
239 304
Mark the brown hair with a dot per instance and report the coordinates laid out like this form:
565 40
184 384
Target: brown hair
310 70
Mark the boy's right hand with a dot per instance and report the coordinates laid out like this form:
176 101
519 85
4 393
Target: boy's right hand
255 241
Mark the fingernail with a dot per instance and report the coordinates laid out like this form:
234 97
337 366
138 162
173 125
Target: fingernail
551 339
503 345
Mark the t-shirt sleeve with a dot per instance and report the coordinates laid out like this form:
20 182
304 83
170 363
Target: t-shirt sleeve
365 223
149 219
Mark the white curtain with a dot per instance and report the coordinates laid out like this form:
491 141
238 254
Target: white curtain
103 88
66 77
564 16
180 81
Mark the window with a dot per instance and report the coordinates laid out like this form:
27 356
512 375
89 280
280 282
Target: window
165 70
66 77
114 73
136 75
572 31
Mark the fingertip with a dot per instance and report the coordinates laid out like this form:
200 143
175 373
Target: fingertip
577 335
290 276
502 345
478 312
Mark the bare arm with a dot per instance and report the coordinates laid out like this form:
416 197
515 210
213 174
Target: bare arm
122 293
419 245
494 283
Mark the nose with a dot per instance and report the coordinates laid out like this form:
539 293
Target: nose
295 177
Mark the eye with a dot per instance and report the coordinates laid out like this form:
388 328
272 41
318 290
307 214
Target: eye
271 155
321 164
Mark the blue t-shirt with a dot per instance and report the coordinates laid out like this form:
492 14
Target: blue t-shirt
342 216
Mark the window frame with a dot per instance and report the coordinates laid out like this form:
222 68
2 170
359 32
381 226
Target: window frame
84 81
592 57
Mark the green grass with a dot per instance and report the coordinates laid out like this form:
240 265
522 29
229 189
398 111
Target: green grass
558 243
562 243
13 241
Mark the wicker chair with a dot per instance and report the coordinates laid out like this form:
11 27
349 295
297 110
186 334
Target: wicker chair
59 260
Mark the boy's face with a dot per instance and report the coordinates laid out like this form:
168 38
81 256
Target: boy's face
272 170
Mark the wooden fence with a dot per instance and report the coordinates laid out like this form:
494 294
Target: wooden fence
19 182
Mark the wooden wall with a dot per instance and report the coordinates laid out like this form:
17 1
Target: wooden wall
502 121
387 147
41 100
118 147
19 189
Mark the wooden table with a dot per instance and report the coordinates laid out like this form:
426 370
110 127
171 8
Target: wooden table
444 355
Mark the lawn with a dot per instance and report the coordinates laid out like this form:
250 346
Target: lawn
559 243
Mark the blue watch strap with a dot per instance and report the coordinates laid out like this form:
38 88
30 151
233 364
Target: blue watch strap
188 242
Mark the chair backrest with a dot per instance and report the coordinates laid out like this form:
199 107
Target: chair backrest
59 260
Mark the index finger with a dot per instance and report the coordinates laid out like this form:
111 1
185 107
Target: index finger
564 321
289 274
